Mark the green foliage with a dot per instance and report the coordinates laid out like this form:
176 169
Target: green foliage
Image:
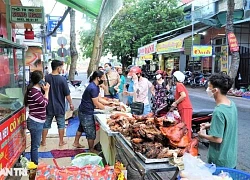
87 40
136 24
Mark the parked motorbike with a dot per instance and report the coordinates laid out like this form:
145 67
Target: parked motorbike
76 83
188 75
199 80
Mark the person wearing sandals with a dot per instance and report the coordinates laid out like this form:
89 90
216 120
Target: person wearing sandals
36 101
91 99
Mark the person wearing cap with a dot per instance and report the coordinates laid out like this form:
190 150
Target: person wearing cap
161 90
141 88
182 101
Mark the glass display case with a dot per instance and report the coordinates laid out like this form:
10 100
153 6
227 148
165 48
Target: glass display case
12 78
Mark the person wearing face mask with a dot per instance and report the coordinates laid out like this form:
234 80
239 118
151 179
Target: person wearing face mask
59 90
161 91
111 82
91 99
182 101
141 89
223 130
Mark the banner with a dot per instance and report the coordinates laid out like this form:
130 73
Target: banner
170 46
33 58
12 140
147 49
233 43
202 51
147 57
224 59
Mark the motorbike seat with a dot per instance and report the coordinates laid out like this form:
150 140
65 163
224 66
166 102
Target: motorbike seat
202 112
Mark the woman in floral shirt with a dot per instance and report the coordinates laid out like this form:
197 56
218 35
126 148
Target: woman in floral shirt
161 91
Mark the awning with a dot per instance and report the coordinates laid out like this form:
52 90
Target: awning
91 8
176 44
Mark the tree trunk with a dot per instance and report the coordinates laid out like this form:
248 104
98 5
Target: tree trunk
229 28
97 51
73 50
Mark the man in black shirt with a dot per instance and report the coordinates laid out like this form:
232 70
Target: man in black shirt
59 90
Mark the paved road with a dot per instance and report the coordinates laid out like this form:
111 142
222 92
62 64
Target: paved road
200 100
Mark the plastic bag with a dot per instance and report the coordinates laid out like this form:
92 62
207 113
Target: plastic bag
86 160
170 116
196 169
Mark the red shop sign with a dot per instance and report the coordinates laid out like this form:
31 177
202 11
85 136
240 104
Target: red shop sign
233 43
29 34
12 140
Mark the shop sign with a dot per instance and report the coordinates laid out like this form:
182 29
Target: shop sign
202 51
233 43
148 49
25 14
146 57
170 46
12 140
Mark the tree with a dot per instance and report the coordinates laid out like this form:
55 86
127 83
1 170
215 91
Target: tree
137 23
73 50
132 28
229 28
87 39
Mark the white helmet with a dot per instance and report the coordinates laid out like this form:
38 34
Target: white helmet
179 76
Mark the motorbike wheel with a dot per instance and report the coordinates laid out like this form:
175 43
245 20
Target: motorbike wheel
193 85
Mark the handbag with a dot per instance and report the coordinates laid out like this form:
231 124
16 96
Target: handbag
112 90
137 108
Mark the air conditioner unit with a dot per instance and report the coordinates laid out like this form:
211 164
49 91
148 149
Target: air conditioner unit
246 14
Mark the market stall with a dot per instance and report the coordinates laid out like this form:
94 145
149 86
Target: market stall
12 111
112 140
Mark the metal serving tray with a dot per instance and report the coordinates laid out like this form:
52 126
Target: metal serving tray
143 157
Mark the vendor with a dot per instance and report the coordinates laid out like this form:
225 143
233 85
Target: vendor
90 99
182 101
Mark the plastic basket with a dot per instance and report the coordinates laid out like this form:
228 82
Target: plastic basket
234 173
92 154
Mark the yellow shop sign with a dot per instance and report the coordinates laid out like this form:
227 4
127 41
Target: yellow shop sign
202 51
170 46
146 57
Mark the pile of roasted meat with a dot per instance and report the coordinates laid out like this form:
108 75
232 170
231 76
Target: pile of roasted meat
116 104
155 137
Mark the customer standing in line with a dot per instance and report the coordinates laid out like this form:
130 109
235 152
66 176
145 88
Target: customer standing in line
59 90
122 85
141 89
36 103
182 101
111 82
90 100
223 130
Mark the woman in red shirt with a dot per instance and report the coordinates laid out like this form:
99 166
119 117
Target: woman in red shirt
182 101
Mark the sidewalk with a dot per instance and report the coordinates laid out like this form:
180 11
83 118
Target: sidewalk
201 93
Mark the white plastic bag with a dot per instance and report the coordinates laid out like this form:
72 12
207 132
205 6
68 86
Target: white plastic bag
195 169
86 160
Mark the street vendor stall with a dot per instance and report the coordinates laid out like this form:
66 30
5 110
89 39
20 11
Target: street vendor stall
12 111
113 141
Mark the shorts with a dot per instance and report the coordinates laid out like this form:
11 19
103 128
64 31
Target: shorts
87 125
60 120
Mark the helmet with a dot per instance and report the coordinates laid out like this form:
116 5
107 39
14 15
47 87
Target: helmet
159 72
179 76
134 70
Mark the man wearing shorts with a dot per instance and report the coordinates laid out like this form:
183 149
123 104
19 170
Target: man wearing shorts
59 90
